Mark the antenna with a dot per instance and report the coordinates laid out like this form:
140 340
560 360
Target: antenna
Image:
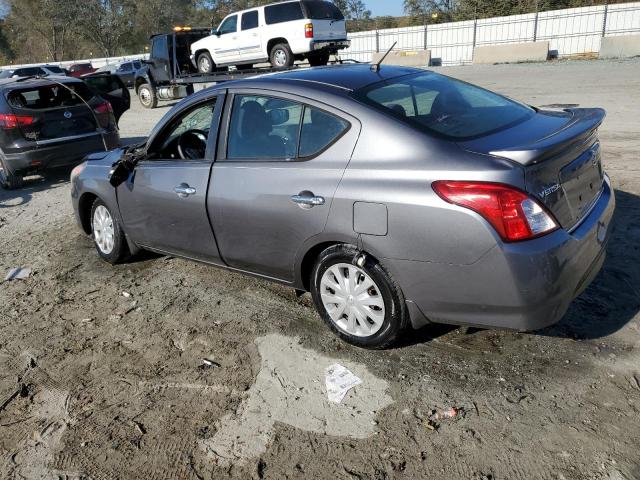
376 66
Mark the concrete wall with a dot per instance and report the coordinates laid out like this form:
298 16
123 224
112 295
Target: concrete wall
419 58
512 53
620 46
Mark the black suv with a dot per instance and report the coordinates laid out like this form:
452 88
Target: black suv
56 121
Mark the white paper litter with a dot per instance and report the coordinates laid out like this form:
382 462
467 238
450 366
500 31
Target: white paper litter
339 381
17 274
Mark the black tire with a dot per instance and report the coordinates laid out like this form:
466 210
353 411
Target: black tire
396 315
8 179
147 96
120 250
281 56
319 60
205 63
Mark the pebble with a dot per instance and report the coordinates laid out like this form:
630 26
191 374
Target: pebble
126 294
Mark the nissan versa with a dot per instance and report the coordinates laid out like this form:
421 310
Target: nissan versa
397 197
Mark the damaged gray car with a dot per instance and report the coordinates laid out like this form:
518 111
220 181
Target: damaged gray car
397 197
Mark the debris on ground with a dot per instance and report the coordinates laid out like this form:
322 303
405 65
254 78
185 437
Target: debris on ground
339 381
18 273
126 294
437 416
208 363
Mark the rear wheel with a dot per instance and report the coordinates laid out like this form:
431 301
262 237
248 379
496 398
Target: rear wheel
8 180
281 56
361 303
205 63
319 60
147 96
107 234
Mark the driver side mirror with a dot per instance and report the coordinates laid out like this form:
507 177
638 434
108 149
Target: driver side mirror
215 32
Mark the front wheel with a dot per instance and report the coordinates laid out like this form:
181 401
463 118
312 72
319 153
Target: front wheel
281 56
361 303
107 234
147 96
205 63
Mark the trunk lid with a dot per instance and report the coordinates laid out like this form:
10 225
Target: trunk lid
328 21
56 113
561 156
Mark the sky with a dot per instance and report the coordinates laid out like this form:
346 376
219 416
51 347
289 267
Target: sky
385 7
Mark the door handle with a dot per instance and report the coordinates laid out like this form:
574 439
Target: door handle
183 190
309 200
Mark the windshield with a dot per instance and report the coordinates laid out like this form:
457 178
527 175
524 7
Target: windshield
444 106
322 10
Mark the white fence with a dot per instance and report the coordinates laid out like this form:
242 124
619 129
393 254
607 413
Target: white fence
572 31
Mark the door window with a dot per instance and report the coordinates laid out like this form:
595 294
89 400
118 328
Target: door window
125 67
283 12
186 136
159 48
230 25
266 129
250 20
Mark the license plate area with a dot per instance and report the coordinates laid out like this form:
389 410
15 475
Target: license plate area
582 181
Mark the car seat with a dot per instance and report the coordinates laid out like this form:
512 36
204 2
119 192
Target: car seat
253 138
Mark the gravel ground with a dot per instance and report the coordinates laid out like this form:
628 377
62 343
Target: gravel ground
102 373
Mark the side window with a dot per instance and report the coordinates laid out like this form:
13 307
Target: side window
125 67
230 25
319 130
250 20
284 12
159 47
263 128
186 135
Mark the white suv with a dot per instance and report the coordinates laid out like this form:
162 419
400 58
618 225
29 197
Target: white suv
279 33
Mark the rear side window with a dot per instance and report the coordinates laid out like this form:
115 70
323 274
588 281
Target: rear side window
108 84
28 71
49 96
319 130
322 10
444 106
249 20
284 12
54 69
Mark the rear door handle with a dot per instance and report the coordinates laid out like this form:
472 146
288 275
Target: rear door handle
184 190
307 199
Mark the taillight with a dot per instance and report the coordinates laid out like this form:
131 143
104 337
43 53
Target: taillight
308 30
10 121
513 213
104 107
77 170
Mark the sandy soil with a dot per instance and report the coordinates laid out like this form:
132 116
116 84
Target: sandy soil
102 373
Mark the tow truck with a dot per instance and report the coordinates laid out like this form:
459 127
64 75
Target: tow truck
169 74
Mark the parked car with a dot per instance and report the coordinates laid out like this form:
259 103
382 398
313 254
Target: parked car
79 69
127 72
279 33
45 122
38 70
395 196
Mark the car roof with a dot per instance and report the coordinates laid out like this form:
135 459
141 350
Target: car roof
8 83
346 77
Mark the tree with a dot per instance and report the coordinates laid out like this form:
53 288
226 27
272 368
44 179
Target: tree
422 9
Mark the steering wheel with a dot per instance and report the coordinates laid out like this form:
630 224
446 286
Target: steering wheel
192 145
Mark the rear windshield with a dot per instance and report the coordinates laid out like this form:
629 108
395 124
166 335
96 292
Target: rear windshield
284 12
54 69
49 96
322 10
444 106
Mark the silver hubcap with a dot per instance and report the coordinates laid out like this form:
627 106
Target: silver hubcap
205 66
280 57
103 231
145 95
352 300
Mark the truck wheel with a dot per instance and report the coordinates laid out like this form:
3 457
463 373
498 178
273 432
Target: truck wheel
147 96
205 63
281 56
319 60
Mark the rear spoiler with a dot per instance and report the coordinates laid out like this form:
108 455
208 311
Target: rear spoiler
581 126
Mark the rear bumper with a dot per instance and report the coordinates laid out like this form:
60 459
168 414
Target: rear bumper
523 286
66 152
329 46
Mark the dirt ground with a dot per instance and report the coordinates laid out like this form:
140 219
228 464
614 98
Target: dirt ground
102 373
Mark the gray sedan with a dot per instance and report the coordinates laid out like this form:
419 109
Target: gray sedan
397 197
